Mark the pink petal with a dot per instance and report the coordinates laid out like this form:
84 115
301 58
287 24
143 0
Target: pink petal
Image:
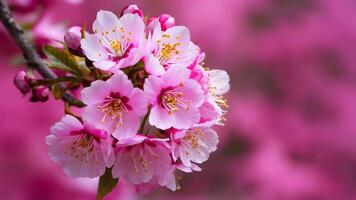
92 48
175 75
184 119
119 82
66 125
152 88
160 118
96 93
153 66
138 101
130 124
133 27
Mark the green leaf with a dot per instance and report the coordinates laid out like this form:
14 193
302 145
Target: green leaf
106 184
62 60
57 92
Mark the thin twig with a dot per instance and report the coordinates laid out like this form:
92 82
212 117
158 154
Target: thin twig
32 57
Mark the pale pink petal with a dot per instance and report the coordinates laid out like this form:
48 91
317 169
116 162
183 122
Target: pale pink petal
119 82
138 101
136 139
128 128
220 81
65 126
131 27
175 75
192 92
184 119
96 93
105 65
152 88
92 48
92 114
160 118
106 24
153 66
178 34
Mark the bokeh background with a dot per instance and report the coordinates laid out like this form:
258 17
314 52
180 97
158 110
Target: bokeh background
291 129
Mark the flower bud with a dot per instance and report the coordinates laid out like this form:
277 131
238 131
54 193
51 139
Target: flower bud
72 38
40 93
133 9
21 81
166 21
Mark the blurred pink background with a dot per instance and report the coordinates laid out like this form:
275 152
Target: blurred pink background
291 130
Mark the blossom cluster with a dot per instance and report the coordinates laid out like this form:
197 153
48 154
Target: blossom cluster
150 108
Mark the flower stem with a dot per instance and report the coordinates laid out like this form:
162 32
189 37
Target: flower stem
32 57
57 80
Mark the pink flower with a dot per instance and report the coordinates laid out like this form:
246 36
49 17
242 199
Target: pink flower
175 99
168 49
82 150
133 9
114 105
141 160
115 42
194 145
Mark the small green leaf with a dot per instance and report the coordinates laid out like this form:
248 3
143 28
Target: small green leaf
62 60
57 92
106 184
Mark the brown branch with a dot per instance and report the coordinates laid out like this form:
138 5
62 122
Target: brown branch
32 57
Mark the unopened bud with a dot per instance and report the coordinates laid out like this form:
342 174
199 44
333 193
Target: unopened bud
133 9
166 21
72 38
21 81
40 94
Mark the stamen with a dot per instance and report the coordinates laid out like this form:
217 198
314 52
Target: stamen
82 148
114 107
171 100
116 46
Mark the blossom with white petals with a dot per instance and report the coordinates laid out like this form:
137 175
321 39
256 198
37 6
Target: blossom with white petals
194 145
115 42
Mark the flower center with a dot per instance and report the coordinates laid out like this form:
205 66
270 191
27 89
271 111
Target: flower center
115 106
172 100
116 46
167 51
82 147
193 137
140 157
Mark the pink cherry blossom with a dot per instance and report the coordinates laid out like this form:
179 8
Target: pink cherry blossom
141 159
114 105
168 49
194 145
81 149
114 44
175 99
